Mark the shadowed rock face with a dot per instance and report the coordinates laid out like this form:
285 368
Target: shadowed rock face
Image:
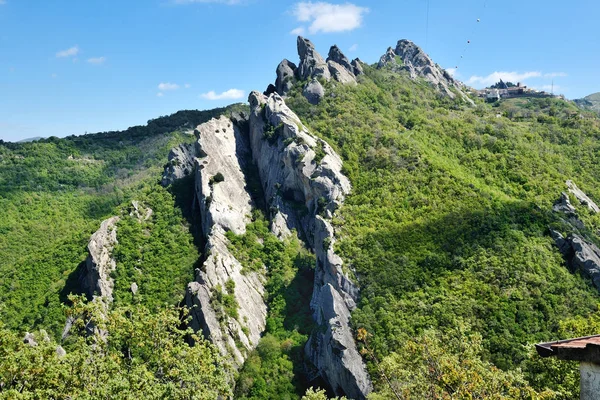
336 55
321 186
312 64
180 165
286 71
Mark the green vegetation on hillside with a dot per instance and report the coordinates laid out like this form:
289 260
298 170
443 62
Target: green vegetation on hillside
145 355
55 192
275 369
449 213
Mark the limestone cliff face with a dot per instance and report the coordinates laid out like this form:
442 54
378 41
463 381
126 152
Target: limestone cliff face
296 167
225 205
181 163
96 280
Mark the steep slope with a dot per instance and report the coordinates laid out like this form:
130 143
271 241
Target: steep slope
591 102
448 220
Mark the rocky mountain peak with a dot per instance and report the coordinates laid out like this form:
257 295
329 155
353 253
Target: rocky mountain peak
336 55
420 65
312 63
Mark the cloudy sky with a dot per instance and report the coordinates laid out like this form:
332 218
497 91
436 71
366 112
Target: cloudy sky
70 67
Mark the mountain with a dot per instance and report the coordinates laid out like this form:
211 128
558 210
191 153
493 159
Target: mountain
370 230
591 102
32 139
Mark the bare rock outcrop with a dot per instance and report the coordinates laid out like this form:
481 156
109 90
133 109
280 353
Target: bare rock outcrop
312 64
181 163
96 279
225 205
582 197
286 72
563 205
336 55
357 67
296 167
420 65
313 91
581 255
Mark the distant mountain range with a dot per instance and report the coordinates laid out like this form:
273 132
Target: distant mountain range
591 102
33 139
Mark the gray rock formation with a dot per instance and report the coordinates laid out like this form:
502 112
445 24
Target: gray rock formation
225 205
336 55
312 64
96 280
307 170
29 339
181 163
340 73
140 212
581 255
564 205
357 67
420 65
286 72
389 58
313 91
60 352
582 197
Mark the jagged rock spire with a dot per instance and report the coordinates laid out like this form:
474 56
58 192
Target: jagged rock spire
335 54
311 62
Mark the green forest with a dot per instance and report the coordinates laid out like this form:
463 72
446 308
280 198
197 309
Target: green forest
446 232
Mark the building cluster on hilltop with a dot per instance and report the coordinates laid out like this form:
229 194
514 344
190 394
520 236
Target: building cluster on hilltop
508 90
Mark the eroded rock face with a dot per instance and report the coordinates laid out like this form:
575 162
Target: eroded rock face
563 204
96 280
313 91
336 55
295 167
582 197
181 163
340 73
419 64
312 64
286 71
581 255
389 58
225 205
357 67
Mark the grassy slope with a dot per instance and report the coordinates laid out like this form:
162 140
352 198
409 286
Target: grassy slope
55 192
448 217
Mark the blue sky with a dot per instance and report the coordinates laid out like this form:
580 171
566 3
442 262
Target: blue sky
70 67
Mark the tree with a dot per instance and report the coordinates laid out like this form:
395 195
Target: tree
129 353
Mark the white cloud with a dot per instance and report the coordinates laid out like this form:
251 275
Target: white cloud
326 17
231 94
494 77
187 86
96 60
73 51
164 86
299 31
555 74
159 94
354 47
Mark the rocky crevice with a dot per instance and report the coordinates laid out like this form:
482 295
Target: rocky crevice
225 205
296 167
